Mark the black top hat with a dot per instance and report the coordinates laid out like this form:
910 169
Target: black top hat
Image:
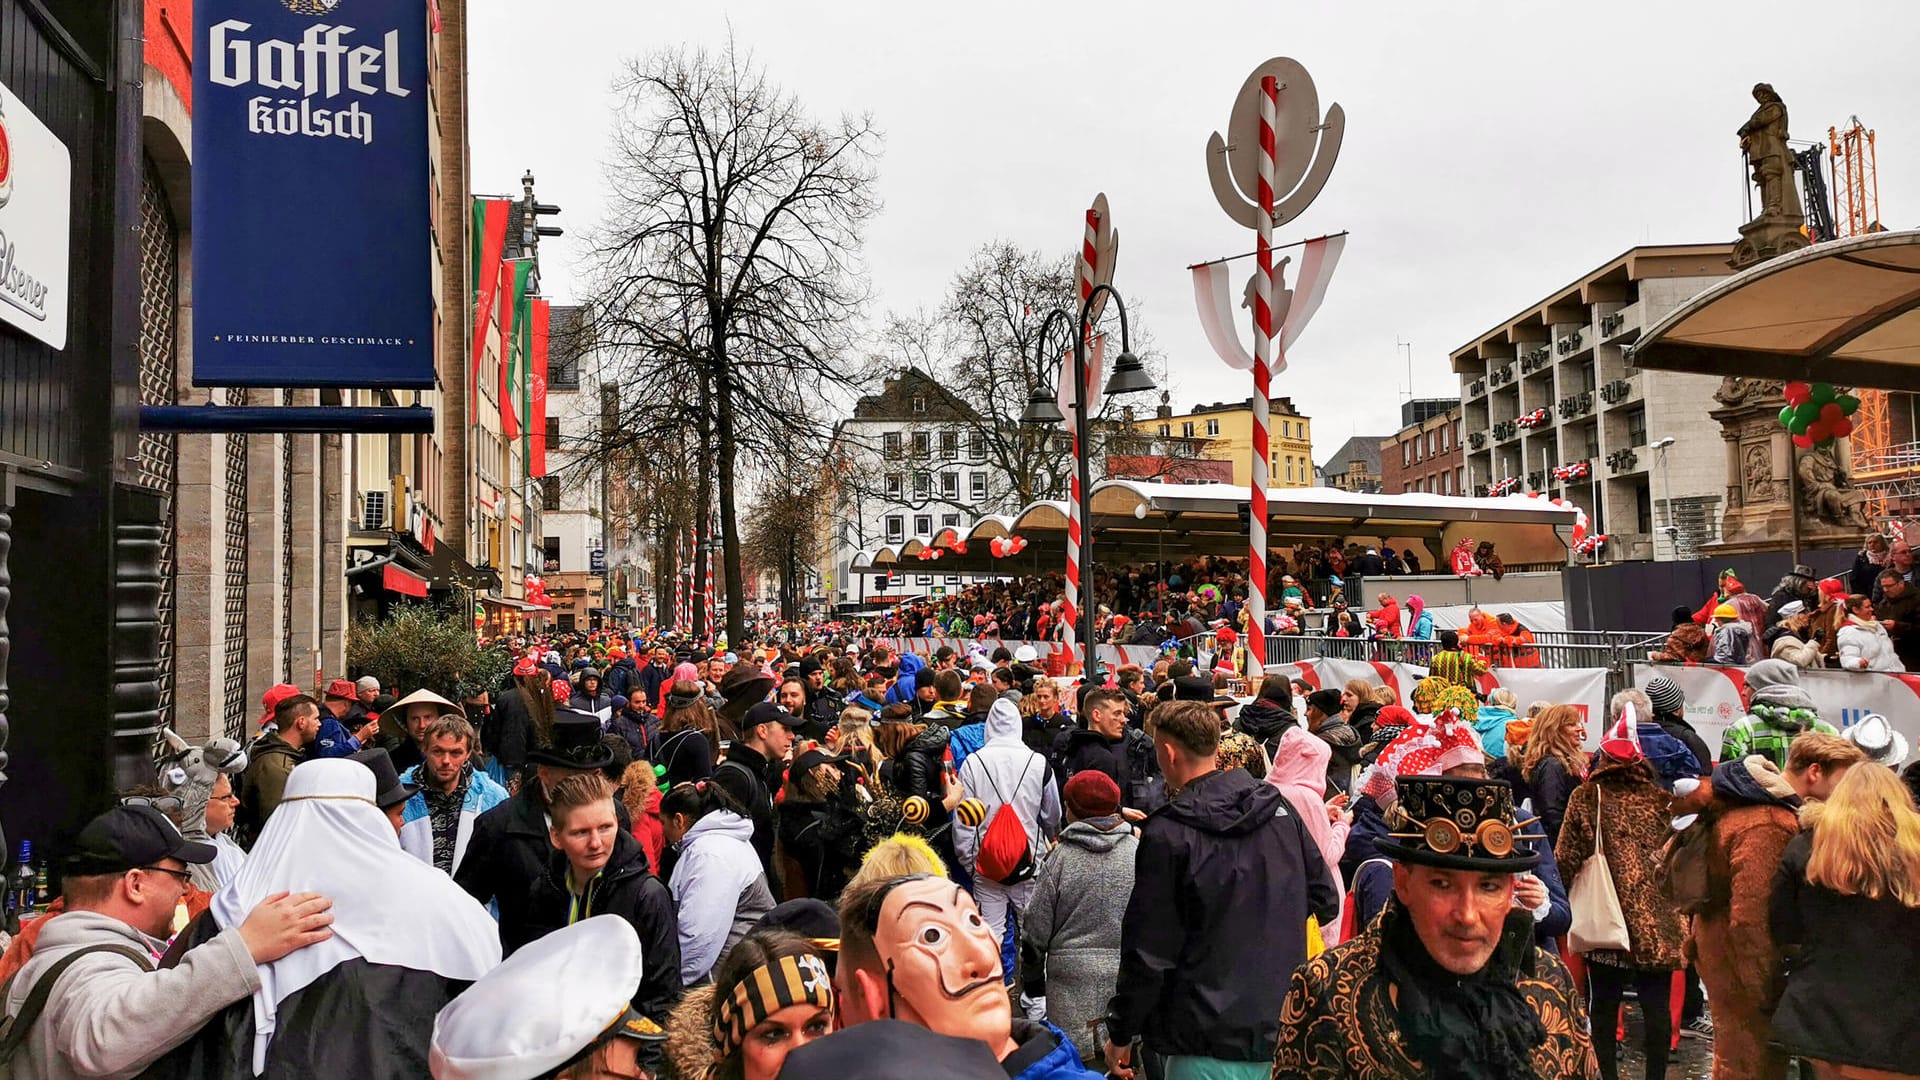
743 686
1193 688
386 779
892 1050
1458 823
128 837
576 743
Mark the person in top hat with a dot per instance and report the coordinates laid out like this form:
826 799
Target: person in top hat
545 1011
389 794
509 847
104 1009
1448 982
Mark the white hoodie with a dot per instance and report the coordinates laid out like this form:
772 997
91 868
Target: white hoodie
719 890
1003 770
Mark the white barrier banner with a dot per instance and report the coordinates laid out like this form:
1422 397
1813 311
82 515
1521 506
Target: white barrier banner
1583 688
1110 655
1842 697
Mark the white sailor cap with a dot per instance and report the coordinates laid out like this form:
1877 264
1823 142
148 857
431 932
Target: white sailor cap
548 1002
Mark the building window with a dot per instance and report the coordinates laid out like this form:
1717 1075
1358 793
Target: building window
1166 429
553 433
1063 443
1213 427
950 485
922 443
1186 430
922 524
1460 479
978 440
550 555
890 444
1286 429
950 443
1637 426
896 528
893 485
1446 483
1406 454
919 403
922 486
1289 468
977 486
1429 444
949 521
549 493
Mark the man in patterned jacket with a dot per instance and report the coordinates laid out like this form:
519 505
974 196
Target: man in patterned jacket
1447 982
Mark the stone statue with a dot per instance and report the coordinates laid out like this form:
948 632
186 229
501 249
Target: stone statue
1764 139
1736 389
1827 492
1776 229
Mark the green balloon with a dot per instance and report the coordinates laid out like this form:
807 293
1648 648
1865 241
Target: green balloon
1822 392
1798 425
1786 416
1848 403
1807 412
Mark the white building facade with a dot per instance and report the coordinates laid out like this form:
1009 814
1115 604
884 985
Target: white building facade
1550 387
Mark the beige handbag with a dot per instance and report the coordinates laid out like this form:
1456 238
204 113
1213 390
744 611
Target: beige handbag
1598 922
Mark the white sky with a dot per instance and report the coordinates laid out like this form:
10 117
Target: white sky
1494 151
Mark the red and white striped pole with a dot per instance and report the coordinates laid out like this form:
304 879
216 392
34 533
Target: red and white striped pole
1089 256
1256 635
706 627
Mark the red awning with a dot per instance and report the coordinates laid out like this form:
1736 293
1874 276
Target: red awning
400 581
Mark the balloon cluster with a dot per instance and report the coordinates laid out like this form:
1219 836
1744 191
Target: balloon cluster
928 554
1816 415
1578 470
537 591
1534 419
958 547
1504 487
1003 546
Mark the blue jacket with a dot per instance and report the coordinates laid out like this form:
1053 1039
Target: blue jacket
416 824
1668 755
1060 1063
965 740
334 739
1491 725
901 692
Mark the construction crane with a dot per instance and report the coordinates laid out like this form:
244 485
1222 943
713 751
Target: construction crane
1813 186
1880 468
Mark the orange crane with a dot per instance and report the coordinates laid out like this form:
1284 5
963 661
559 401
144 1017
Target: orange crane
1856 194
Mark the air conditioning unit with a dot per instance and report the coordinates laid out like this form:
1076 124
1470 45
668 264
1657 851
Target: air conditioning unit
373 510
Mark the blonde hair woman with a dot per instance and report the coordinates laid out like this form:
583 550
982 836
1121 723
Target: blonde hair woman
1848 895
1554 764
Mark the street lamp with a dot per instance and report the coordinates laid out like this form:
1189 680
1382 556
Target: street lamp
1129 376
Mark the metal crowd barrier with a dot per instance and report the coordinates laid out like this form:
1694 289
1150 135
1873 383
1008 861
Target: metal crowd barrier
1614 650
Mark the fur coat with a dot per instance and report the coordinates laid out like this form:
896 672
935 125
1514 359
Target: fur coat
1635 825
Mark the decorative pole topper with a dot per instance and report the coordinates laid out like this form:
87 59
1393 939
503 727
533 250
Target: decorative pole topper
1099 250
1275 159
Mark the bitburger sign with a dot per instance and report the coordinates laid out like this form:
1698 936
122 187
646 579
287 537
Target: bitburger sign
36 175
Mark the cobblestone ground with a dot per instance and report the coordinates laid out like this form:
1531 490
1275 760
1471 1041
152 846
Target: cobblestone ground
1693 1061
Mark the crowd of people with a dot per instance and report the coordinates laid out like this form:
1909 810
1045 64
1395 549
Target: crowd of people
641 856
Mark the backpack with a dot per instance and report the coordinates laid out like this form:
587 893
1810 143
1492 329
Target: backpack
1147 789
15 1029
1005 852
1682 870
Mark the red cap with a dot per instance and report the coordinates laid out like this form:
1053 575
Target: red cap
276 694
562 691
1092 793
524 666
342 688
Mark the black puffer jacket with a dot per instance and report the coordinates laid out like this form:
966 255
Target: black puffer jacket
1264 721
1127 760
916 769
1224 879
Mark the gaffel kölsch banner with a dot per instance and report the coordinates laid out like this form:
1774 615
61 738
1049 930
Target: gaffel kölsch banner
312 213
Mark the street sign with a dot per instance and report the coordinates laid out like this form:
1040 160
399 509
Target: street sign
312 204
597 561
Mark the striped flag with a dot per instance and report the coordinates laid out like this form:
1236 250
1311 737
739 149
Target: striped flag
1213 295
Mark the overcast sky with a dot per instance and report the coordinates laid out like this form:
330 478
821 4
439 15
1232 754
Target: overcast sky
1494 151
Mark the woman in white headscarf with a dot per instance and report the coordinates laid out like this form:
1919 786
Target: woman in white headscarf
406 941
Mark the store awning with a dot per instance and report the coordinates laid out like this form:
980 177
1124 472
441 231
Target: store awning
1846 311
401 581
510 603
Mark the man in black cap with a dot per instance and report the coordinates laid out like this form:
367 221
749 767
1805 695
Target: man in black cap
509 847
1448 981
823 707
755 767
106 1011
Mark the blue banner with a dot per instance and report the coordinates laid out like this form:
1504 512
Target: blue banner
312 204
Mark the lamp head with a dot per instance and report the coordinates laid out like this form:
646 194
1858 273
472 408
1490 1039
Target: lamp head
1041 409
1129 376
1662 444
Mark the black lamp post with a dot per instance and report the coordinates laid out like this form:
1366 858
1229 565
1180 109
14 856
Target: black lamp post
1129 376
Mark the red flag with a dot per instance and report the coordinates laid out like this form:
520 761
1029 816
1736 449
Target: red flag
537 414
513 283
489 239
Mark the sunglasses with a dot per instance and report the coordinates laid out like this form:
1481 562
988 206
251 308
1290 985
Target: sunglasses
185 878
166 804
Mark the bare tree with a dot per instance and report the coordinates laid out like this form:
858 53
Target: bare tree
786 522
727 278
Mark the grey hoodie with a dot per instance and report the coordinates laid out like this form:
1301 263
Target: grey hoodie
1074 919
107 1017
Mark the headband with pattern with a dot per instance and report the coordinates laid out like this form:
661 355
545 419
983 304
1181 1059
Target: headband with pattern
774 985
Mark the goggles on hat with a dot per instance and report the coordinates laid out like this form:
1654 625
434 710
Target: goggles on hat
1444 837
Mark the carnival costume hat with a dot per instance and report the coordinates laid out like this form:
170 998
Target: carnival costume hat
1457 823
428 697
545 1006
576 743
743 687
1878 740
